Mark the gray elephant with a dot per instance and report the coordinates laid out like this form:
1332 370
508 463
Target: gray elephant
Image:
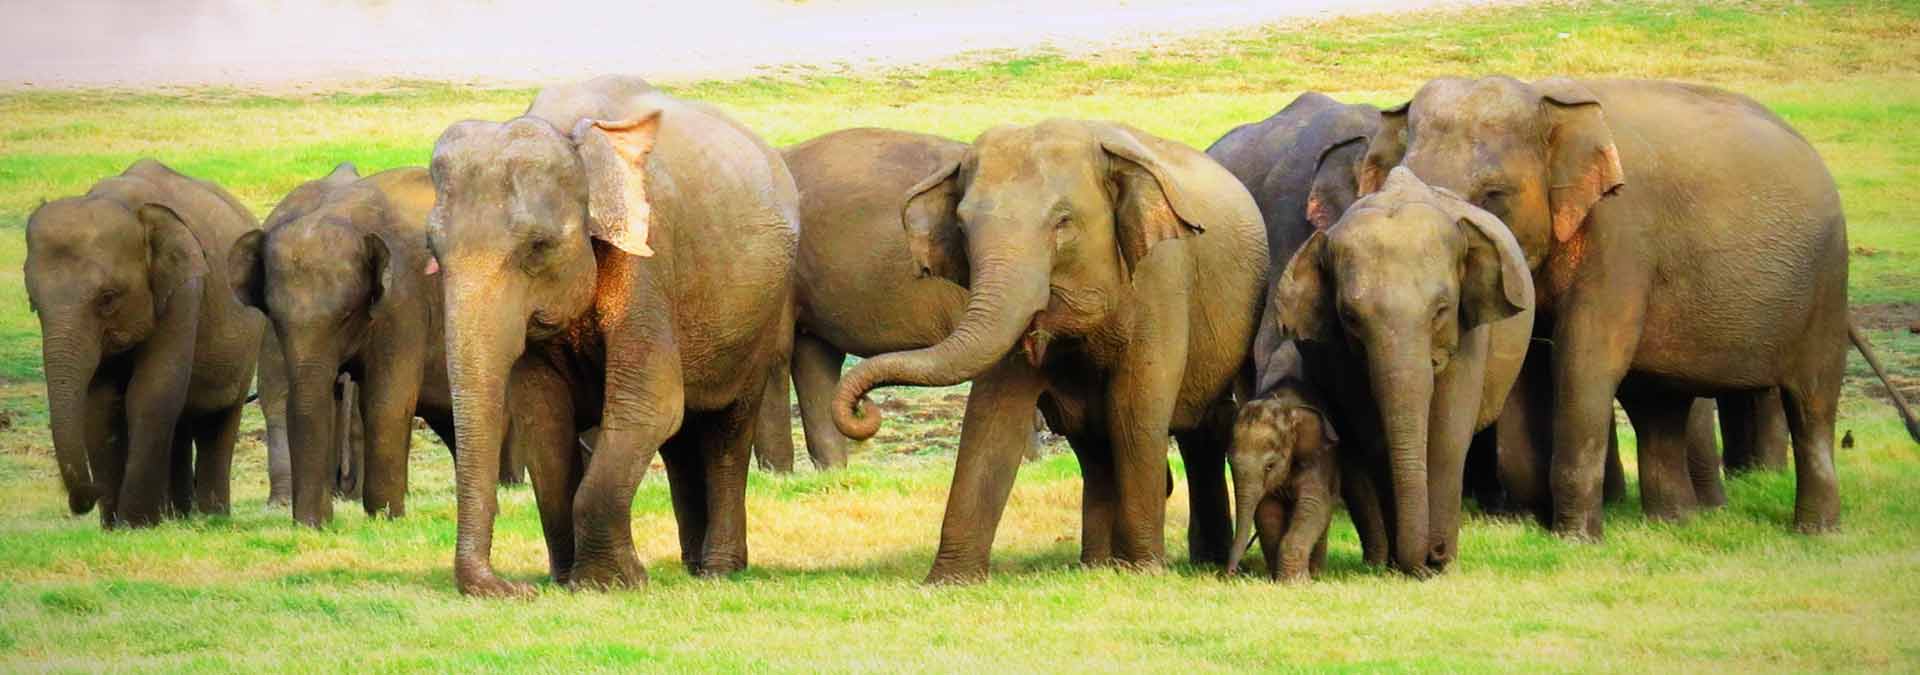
621 258
1113 277
1659 278
148 358
342 272
1419 306
856 287
1286 473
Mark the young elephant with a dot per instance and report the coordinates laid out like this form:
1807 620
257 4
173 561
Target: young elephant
1421 306
1286 474
147 355
1113 277
621 258
341 272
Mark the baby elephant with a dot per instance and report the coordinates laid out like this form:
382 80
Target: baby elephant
1285 475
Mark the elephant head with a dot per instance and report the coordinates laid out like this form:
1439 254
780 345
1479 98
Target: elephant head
1397 282
1283 449
520 208
319 273
101 272
1045 225
1537 156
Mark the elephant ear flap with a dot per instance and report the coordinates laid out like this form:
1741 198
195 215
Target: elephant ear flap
1585 165
934 237
1306 308
1384 150
1335 185
1164 190
1327 435
379 267
1497 282
615 155
174 256
246 270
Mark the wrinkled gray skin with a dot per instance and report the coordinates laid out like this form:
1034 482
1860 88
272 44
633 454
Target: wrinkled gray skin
1420 306
620 258
856 288
1659 277
272 390
341 270
1286 475
1113 278
147 356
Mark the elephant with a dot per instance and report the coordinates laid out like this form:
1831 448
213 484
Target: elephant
856 288
1113 278
341 272
148 358
620 258
350 448
1685 242
1285 458
1418 306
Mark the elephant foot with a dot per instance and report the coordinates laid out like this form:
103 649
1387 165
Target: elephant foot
81 501
956 575
1814 526
718 567
621 571
1579 529
480 582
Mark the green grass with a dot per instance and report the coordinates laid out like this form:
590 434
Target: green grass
836 558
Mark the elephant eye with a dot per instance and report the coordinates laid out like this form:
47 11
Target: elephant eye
107 299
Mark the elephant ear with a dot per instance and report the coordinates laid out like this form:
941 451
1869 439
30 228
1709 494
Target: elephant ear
1306 293
174 256
1385 150
1164 190
1497 282
379 267
247 270
615 154
934 237
1335 182
1306 414
1584 165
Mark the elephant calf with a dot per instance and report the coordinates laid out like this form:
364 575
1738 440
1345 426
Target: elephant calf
147 355
1285 474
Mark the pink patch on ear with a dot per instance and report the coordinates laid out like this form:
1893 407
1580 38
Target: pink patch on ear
433 266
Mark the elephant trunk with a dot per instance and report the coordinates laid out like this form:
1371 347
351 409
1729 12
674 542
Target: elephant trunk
486 334
1249 487
310 436
1000 308
1402 381
70 365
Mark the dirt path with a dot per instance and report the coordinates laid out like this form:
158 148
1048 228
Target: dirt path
277 44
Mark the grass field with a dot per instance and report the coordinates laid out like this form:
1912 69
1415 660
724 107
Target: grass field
837 557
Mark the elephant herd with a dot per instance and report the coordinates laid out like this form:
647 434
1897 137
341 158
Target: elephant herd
1392 309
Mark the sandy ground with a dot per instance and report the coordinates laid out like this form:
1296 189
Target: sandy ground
274 44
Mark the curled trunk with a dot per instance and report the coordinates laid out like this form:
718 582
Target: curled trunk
70 365
1402 381
1248 489
1000 306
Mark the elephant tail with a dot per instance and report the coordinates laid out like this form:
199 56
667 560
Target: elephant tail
1899 403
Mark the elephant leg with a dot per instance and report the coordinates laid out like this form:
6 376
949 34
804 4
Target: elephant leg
1303 550
213 467
1771 440
1614 489
1811 398
1703 458
1210 517
385 404
1482 473
773 433
992 436
513 468
1141 394
1753 426
816 373
272 384
1525 433
541 429
180 471
349 464
1660 426
1039 437
107 443
1593 348
687 484
1365 505
726 447
1099 503
1271 520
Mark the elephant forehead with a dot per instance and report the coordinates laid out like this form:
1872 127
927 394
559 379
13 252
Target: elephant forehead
86 227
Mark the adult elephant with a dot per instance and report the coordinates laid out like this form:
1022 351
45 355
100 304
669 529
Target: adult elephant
341 271
147 355
1685 241
1418 308
856 287
1116 273
621 258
